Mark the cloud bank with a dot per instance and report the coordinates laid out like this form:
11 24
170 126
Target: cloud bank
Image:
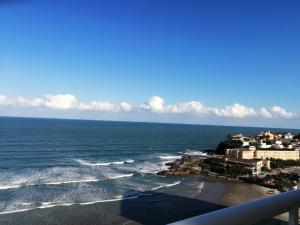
155 104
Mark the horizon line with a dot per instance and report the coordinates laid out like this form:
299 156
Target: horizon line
153 122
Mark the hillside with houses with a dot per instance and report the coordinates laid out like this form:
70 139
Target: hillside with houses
265 159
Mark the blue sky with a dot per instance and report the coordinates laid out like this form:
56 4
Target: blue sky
216 53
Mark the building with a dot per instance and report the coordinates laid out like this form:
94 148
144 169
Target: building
252 153
284 154
253 164
239 153
246 157
266 135
262 144
244 139
288 136
255 159
278 145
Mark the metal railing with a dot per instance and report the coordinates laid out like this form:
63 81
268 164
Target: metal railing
251 212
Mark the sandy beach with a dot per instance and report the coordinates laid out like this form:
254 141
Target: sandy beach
237 192
191 197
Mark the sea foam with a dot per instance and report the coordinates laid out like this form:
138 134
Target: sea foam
165 185
120 176
71 181
87 163
169 157
3 187
109 200
194 153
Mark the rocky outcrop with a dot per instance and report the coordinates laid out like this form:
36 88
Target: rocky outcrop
187 165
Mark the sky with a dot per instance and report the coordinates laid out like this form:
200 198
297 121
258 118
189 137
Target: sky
179 61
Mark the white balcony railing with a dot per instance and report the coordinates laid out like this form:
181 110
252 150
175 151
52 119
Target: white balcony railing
251 212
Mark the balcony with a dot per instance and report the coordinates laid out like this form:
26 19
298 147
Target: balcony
252 212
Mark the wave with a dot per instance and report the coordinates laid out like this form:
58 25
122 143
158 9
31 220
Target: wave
54 204
120 176
168 157
151 167
109 200
173 184
15 211
9 187
165 185
132 195
45 205
71 181
86 163
118 162
194 153
47 183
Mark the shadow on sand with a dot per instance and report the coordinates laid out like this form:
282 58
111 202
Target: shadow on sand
159 208
165 208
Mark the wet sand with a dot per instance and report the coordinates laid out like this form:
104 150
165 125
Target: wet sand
190 198
238 192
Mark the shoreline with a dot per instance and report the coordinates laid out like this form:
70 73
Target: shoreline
193 196
239 192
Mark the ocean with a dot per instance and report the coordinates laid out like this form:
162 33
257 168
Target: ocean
46 163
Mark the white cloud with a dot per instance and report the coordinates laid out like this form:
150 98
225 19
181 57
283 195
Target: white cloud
235 110
62 101
126 107
4 100
193 107
22 102
265 113
102 106
281 112
37 102
154 104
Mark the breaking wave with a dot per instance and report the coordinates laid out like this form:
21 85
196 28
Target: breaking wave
71 182
165 185
120 176
170 157
87 163
45 205
194 153
109 200
3 187
15 211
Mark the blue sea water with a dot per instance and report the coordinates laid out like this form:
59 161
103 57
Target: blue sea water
50 162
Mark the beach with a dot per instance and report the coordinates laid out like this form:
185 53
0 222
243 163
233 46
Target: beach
89 172
191 197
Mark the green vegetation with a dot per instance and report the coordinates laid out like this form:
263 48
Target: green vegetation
282 181
269 142
218 169
232 170
297 136
279 163
228 144
265 169
237 170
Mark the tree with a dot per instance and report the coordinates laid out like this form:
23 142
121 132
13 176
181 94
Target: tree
269 142
297 136
228 144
